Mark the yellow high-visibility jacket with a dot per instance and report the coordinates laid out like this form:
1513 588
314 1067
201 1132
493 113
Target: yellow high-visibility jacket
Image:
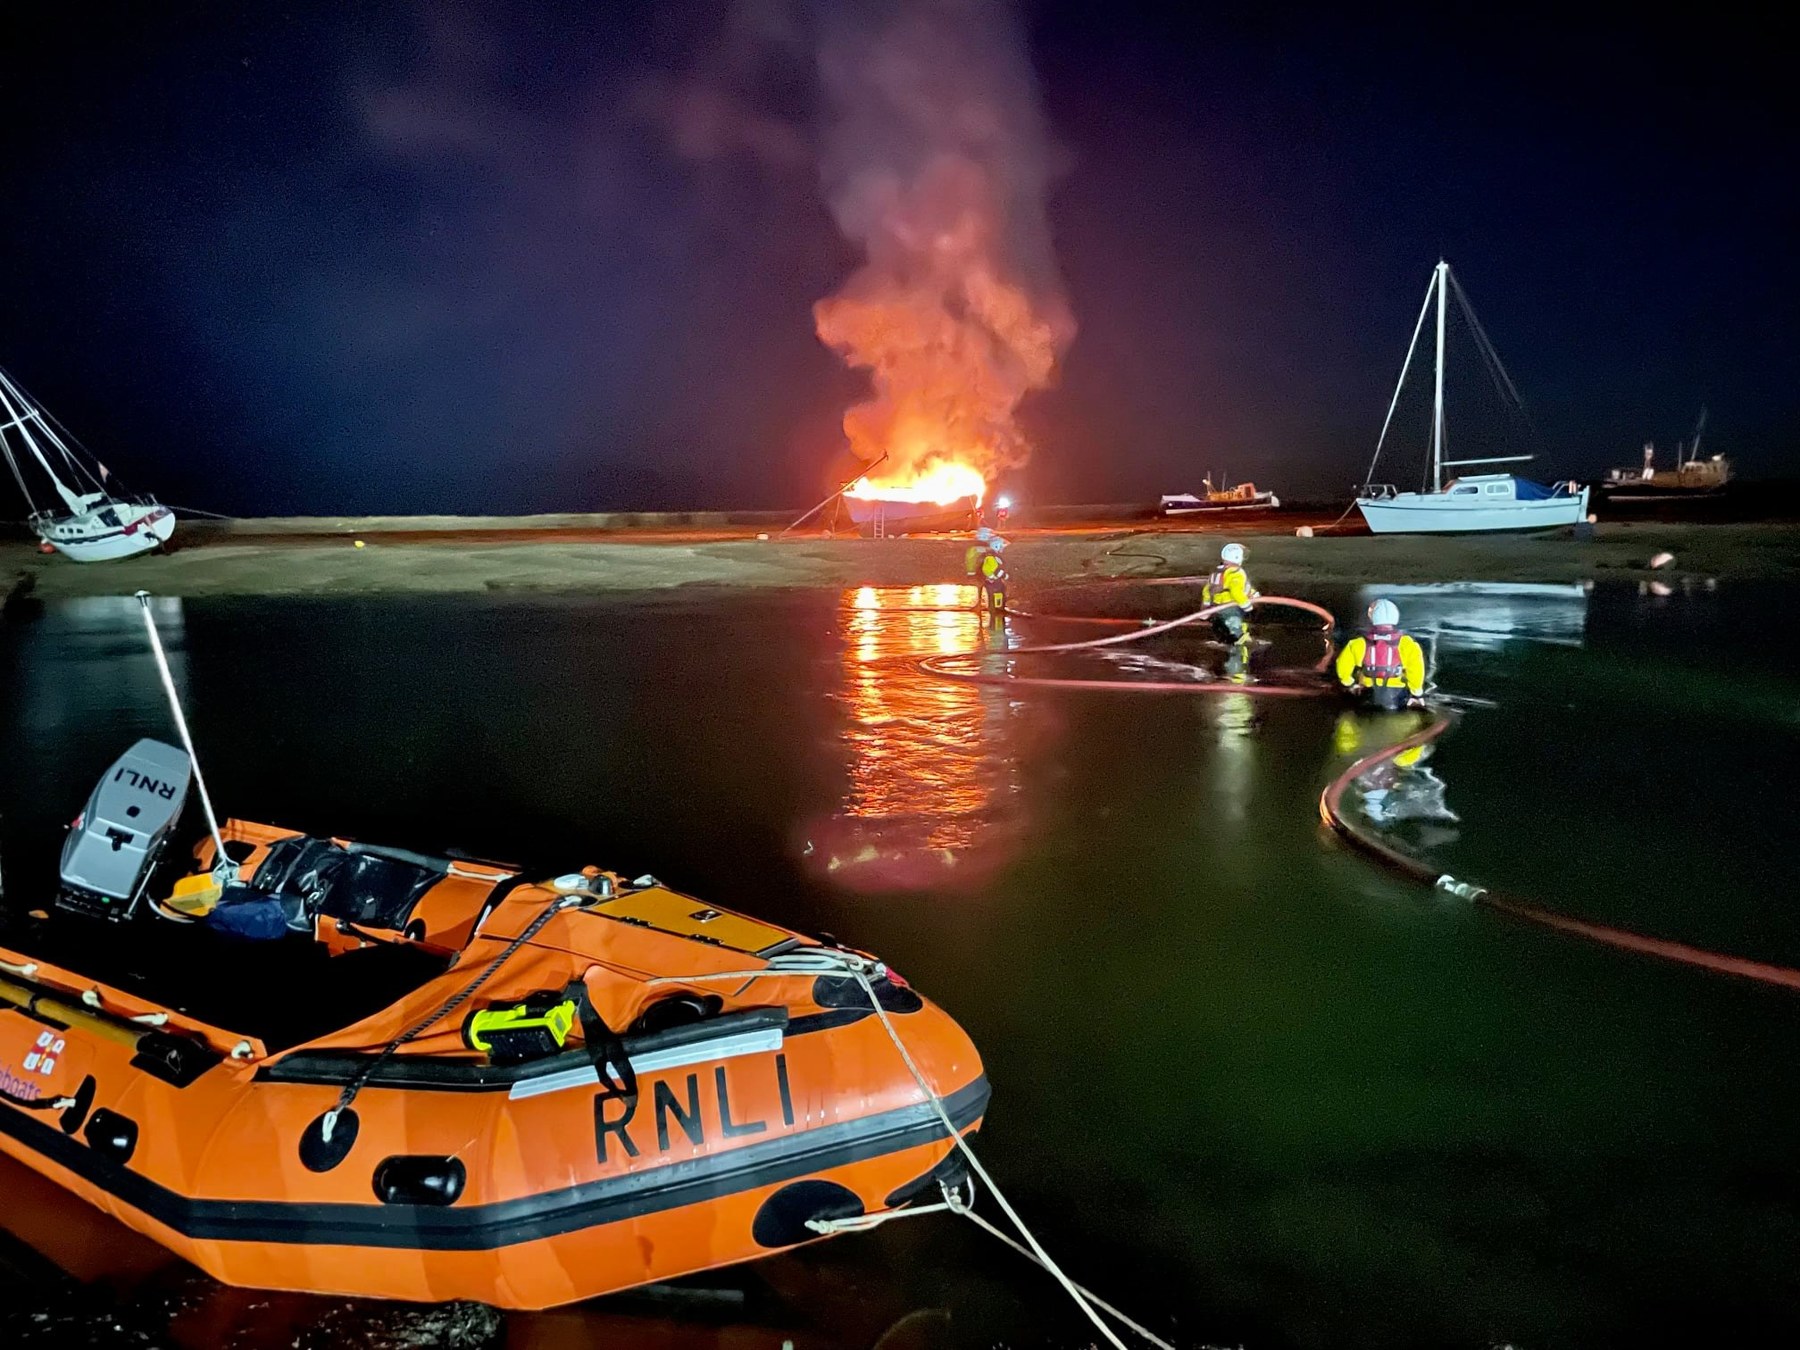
972 557
1351 674
1228 585
992 567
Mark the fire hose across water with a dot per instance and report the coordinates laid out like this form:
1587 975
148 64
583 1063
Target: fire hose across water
1331 800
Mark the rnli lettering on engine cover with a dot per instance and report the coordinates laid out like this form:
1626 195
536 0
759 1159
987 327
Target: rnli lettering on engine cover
143 783
688 1112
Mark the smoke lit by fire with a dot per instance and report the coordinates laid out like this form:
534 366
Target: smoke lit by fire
935 163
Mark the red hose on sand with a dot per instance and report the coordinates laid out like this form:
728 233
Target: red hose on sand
1330 810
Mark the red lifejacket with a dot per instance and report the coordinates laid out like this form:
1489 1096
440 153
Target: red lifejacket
1381 662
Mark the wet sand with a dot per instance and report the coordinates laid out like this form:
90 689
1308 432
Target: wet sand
403 556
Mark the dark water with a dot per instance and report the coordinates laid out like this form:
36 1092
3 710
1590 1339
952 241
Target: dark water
1247 1085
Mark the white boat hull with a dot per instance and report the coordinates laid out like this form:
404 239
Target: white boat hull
1436 513
109 530
1199 506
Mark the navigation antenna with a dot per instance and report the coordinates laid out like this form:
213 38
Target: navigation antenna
220 861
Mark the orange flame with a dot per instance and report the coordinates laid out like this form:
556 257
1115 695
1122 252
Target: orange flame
942 483
950 332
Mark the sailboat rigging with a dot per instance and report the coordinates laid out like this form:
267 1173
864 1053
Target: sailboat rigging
95 524
1471 502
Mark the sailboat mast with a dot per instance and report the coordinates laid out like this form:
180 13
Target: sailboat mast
20 414
1437 410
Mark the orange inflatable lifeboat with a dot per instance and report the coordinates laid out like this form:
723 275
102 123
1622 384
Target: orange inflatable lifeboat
448 1079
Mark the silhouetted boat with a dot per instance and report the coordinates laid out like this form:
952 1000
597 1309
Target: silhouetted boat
1692 477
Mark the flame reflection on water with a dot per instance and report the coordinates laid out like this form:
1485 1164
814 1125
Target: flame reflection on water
932 764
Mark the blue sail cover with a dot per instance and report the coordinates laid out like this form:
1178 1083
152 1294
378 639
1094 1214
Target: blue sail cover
1525 490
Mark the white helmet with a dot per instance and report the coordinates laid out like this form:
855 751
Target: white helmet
1233 554
1384 614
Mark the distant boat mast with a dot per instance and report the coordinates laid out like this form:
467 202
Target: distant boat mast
1442 282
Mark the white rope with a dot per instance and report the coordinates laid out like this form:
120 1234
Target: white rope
955 1203
1092 1297
864 1223
222 863
827 961
937 1104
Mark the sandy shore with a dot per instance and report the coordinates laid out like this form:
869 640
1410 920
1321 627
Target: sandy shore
421 560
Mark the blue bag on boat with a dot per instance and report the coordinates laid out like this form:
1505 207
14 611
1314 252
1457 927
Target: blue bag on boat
244 912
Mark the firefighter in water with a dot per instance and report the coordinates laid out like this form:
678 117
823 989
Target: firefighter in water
972 556
1229 586
1384 666
992 570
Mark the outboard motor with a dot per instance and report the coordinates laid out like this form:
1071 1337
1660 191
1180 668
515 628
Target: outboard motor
115 842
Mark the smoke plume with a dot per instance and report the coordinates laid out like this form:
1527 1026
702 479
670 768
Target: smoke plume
935 161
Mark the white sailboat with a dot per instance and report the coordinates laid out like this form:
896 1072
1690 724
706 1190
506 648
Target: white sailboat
95 525
1480 502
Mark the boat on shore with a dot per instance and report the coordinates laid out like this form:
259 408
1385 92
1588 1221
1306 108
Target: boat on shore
1478 503
96 523
1691 478
879 516
1241 497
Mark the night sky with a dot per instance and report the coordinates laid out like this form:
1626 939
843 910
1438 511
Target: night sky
347 257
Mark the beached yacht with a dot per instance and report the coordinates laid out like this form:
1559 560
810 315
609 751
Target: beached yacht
96 524
1471 503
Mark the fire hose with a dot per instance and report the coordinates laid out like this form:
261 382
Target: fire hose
1331 811
1331 800
940 665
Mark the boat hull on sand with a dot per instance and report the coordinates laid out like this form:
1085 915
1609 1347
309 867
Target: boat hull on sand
1485 504
891 517
108 531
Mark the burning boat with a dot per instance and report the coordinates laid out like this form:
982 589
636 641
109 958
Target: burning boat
945 496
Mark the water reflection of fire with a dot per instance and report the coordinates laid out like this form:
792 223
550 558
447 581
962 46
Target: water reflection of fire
932 767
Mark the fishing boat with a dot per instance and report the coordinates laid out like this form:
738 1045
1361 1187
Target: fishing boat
1471 503
307 1063
1242 497
1691 478
96 523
